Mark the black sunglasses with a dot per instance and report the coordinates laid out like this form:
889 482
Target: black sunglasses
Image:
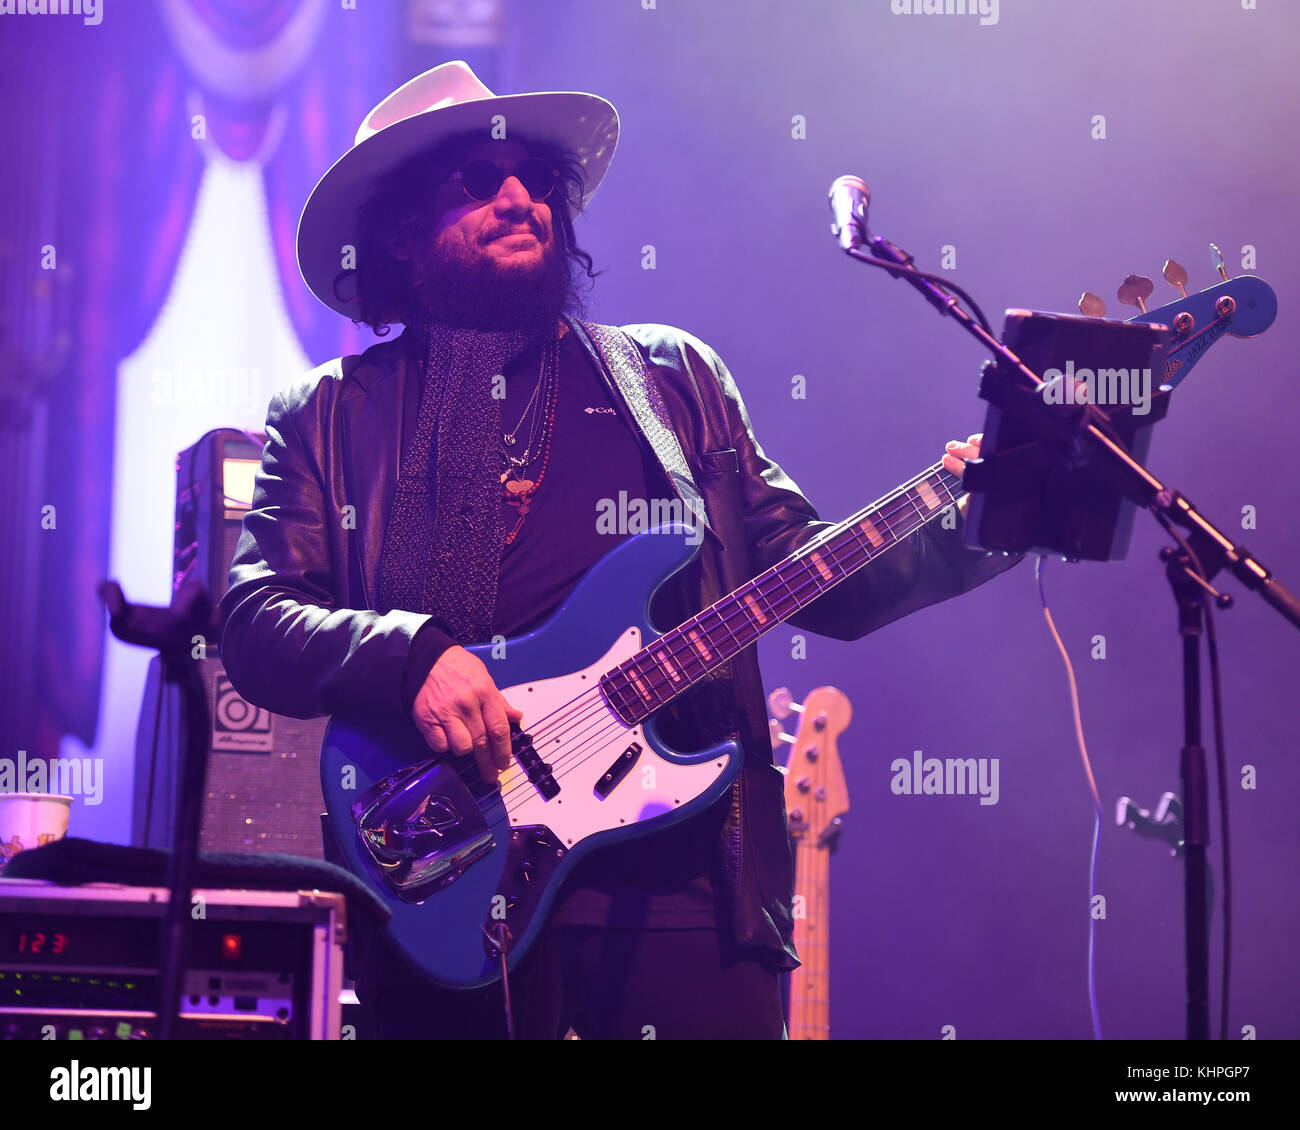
482 180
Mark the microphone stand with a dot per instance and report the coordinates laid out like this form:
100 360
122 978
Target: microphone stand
1189 593
172 631
1189 577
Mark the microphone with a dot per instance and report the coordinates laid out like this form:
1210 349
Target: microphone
849 198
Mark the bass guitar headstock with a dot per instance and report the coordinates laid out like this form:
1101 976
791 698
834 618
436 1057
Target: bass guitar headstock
1243 307
816 795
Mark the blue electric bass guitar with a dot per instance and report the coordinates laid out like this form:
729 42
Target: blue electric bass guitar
470 870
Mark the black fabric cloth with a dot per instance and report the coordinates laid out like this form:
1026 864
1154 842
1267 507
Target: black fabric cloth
73 860
443 532
605 985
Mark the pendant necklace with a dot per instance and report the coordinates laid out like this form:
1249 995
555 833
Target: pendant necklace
518 489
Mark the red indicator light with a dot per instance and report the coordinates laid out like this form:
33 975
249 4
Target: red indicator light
232 946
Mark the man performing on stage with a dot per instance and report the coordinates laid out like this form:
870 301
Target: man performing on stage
451 486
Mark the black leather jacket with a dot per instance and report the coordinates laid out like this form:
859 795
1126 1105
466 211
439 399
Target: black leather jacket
301 637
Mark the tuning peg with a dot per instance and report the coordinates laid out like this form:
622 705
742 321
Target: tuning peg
1135 290
1216 261
778 735
1176 275
1091 305
781 704
831 834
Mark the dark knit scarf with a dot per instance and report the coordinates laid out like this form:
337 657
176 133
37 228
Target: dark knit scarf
442 547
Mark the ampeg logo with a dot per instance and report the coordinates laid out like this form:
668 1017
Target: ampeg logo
237 725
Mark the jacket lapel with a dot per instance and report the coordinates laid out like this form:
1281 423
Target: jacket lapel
624 370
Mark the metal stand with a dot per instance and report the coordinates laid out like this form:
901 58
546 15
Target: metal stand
1189 591
172 631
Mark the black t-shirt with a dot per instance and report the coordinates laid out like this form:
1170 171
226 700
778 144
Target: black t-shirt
593 456
663 879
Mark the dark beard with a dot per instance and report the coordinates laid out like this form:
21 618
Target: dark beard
478 295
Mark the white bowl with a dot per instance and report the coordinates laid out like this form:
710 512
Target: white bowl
28 820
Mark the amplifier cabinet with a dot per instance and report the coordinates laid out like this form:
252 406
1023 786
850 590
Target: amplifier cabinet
263 785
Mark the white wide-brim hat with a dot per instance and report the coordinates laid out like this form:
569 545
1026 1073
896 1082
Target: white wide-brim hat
442 102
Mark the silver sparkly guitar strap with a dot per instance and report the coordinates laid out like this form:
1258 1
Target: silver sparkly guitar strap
637 385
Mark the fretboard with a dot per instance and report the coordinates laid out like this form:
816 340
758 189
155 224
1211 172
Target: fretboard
678 659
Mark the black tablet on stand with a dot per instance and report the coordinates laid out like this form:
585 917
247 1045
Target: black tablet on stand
1037 487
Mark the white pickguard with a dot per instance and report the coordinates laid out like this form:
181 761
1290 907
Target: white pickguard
652 787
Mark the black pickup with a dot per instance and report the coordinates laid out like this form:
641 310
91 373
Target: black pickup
537 769
620 769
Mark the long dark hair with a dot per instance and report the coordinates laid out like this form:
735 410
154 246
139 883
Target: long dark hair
398 213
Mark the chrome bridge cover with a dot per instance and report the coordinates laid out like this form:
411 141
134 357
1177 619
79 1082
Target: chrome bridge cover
421 828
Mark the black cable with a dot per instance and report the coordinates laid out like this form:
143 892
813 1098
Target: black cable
499 939
938 280
505 989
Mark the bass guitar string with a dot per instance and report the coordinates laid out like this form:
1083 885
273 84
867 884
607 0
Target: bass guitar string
566 717
795 595
578 712
804 550
583 710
